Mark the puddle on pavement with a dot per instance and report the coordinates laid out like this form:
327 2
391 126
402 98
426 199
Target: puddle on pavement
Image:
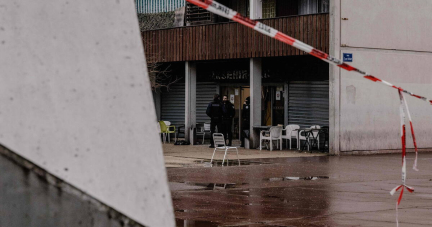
221 186
194 223
231 162
296 178
214 186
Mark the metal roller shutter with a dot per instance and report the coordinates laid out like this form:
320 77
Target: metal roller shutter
173 104
205 92
308 103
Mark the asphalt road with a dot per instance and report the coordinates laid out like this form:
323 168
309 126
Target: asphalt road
309 191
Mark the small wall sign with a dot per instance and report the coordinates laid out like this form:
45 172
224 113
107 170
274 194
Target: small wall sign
278 95
347 57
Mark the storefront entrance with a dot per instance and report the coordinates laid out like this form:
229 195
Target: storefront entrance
237 96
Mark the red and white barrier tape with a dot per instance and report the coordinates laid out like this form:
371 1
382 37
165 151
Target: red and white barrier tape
412 133
226 12
403 138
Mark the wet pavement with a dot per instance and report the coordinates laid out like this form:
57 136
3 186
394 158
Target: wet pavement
306 191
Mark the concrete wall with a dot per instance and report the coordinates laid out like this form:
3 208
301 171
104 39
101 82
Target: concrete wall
28 199
75 99
390 40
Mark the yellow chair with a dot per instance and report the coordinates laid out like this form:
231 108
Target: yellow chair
166 129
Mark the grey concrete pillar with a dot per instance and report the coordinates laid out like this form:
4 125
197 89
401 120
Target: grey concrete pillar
255 9
190 102
255 99
334 79
286 98
74 92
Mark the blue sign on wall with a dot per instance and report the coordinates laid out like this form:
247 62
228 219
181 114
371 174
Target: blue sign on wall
347 57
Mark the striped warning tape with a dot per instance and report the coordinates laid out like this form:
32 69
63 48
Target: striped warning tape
412 133
224 11
403 138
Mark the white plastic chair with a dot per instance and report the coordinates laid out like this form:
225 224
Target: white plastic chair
160 132
206 129
303 137
203 130
290 133
219 142
275 133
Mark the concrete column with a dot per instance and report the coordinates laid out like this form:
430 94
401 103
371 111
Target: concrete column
286 98
255 99
190 102
255 9
334 78
75 101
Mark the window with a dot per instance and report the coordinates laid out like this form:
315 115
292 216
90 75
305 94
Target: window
268 8
313 6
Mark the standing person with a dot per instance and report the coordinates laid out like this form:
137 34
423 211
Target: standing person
214 111
228 113
245 121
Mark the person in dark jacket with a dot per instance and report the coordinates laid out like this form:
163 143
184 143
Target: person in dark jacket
245 121
228 112
214 111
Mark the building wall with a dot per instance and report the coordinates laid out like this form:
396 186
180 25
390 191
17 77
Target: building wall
75 100
390 40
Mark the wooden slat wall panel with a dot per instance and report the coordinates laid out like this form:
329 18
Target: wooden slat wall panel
232 40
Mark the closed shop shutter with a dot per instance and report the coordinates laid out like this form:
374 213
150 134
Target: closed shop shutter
205 92
308 103
173 104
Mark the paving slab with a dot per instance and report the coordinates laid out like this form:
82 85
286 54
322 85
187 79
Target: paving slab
197 155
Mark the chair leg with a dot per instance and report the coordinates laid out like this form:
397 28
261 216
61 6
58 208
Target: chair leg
271 144
280 142
290 141
237 156
298 144
175 135
224 157
211 161
203 138
260 144
169 137
318 142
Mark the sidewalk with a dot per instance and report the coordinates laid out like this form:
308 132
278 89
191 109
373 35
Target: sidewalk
196 155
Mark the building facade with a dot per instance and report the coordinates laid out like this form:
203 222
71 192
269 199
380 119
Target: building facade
287 86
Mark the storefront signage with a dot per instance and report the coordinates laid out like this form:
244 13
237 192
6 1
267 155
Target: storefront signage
232 99
278 95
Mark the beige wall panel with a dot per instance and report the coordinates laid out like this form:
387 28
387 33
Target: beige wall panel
75 99
387 24
370 111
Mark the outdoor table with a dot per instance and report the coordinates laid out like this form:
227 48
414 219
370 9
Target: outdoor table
309 134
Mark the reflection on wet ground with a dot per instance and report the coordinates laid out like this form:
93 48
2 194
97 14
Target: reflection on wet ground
315 191
216 163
